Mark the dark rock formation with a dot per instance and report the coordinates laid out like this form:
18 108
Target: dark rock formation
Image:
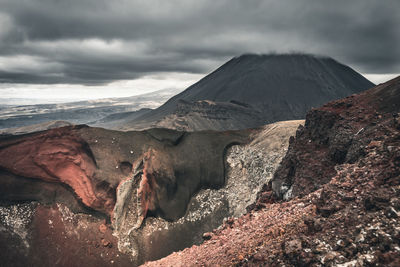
277 87
337 133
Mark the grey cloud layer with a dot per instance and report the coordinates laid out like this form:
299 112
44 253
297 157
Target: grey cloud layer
97 41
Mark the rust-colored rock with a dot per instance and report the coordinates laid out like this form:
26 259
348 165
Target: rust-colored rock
105 243
57 156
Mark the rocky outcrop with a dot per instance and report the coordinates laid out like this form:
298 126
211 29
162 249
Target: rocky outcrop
252 166
336 133
248 167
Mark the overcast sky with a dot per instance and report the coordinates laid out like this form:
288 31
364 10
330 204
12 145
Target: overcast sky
77 49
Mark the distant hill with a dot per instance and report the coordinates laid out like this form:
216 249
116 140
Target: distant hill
98 112
278 87
118 120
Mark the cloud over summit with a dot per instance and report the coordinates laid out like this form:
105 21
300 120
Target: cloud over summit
97 42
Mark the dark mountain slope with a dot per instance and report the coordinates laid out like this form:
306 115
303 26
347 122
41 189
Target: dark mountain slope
282 87
206 114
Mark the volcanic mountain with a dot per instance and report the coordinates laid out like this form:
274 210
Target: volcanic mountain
258 89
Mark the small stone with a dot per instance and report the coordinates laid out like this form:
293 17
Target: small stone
259 257
382 198
331 256
105 242
326 211
313 225
230 221
390 212
102 228
361 236
369 203
395 202
373 144
340 243
349 196
293 246
207 236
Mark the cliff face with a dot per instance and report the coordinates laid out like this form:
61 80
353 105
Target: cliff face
340 181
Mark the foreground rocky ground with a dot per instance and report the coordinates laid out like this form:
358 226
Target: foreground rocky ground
81 196
341 177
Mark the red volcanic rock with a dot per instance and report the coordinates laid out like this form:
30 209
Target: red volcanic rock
157 173
56 156
105 242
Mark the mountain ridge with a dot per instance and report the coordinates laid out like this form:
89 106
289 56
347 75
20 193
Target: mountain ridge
282 87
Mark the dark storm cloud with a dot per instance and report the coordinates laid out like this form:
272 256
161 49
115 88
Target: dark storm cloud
92 41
